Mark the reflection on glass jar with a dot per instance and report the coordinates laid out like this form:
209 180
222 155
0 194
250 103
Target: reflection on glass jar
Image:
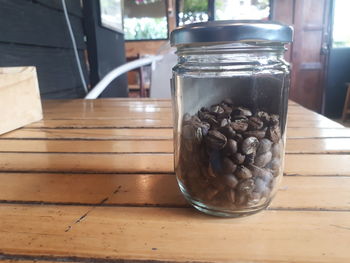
230 96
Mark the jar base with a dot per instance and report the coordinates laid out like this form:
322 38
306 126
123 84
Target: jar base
222 212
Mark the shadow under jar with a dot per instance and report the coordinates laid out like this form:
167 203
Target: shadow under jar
230 97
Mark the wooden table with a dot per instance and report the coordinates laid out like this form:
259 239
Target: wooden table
94 181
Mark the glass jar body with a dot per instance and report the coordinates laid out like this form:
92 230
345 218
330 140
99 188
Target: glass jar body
230 105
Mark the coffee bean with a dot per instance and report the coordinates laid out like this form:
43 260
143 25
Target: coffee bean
246 186
205 128
253 198
243 172
264 146
242 111
264 116
274 133
249 145
227 166
263 159
276 149
230 180
264 174
260 186
210 192
209 118
257 134
228 102
216 110
231 196
231 147
215 140
228 131
238 138
227 108
224 122
274 120
238 158
239 125
255 123
249 158
274 164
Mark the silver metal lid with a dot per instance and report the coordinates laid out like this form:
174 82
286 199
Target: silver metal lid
231 31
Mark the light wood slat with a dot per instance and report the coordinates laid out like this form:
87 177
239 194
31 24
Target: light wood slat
103 123
153 123
125 146
148 134
333 145
303 164
317 133
104 163
100 134
313 124
296 192
329 145
149 233
14 259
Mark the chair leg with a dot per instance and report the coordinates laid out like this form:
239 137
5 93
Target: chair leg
346 103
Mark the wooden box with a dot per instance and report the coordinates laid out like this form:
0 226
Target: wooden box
20 102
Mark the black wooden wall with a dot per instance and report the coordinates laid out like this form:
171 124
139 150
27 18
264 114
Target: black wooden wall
34 32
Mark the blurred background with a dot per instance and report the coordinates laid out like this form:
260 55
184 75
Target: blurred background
110 33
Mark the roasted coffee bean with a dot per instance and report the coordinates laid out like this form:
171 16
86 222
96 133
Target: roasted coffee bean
209 118
191 132
249 158
215 161
239 125
253 198
238 138
274 164
216 110
261 186
205 128
231 196
218 184
230 180
227 166
215 140
264 146
264 116
274 133
227 131
246 186
241 111
263 159
238 158
258 134
264 174
224 122
249 145
186 118
241 199
210 192
243 172
227 108
239 117
231 147
276 149
274 120
255 123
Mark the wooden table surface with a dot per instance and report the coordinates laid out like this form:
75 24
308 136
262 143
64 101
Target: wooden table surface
94 181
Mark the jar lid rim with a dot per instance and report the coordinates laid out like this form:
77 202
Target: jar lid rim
231 31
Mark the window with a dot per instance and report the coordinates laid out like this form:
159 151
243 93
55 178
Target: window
242 9
192 11
145 19
341 33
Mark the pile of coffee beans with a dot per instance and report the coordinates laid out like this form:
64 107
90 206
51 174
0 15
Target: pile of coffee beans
230 156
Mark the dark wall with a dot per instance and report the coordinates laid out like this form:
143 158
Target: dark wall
35 33
106 51
338 75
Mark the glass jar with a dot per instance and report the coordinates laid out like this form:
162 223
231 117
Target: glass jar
230 97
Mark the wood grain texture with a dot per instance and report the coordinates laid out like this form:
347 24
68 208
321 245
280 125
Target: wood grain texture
149 233
295 192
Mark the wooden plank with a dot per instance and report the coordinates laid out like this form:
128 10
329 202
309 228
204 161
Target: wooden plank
317 133
313 123
69 146
73 6
149 233
324 145
148 134
91 134
103 123
303 164
57 72
38 25
295 192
